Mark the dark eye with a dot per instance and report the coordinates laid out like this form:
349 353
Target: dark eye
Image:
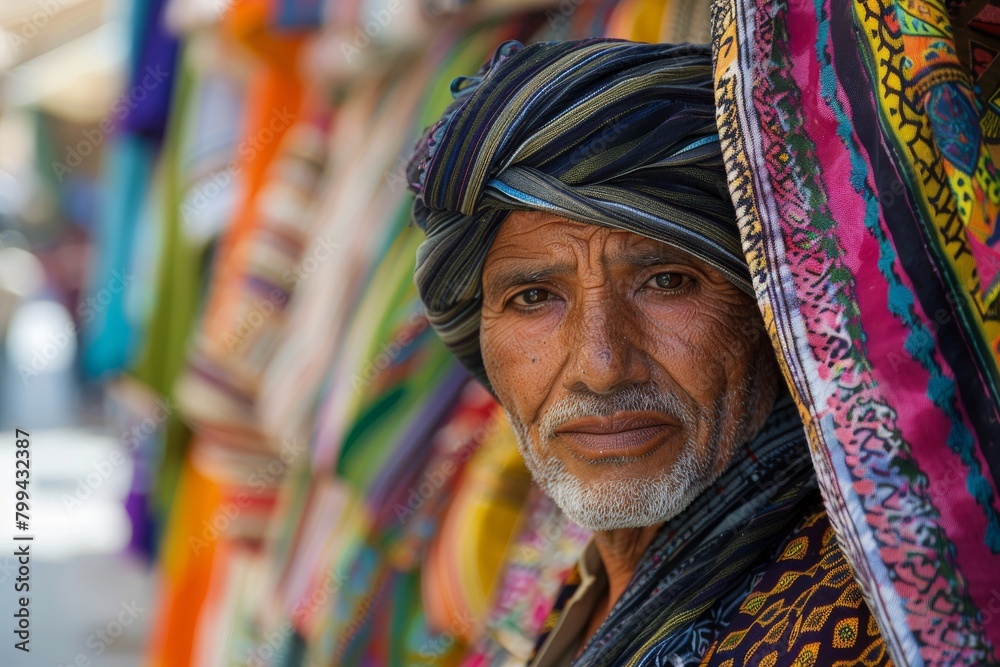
531 297
670 281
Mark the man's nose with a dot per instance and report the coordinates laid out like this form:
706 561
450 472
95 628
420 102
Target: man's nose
605 346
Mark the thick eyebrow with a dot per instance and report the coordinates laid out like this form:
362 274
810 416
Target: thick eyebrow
646 258
503 279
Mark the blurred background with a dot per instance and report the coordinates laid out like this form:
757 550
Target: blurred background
247 446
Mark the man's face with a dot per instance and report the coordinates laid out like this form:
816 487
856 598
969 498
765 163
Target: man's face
630 370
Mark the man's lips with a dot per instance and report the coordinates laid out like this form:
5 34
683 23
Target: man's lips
623 434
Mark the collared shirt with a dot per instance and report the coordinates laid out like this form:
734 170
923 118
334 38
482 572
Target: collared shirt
565 640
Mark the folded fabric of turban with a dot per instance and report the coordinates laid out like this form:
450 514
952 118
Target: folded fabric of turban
600 131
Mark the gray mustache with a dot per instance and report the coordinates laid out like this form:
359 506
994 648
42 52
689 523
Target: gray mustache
630 398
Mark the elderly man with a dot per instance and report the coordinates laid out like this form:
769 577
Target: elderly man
582 259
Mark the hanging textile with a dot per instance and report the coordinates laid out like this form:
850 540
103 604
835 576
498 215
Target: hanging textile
389 412
112 334
867 203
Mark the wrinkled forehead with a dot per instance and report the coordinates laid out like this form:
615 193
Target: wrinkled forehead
535 244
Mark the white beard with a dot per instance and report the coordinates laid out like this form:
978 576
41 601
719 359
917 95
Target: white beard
628 503
618 503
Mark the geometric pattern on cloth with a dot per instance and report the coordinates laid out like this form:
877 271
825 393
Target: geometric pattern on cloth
976 27
805 610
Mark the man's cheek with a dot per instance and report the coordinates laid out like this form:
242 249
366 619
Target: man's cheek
522 368
728 332
514 345
696 363
505 357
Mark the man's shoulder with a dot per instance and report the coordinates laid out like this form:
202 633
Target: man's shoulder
806 608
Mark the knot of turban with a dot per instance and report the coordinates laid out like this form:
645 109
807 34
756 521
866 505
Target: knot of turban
600 131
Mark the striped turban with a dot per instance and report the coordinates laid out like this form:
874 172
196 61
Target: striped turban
600 131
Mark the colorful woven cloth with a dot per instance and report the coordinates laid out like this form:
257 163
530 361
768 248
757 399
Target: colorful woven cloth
384 511
602 131
867 205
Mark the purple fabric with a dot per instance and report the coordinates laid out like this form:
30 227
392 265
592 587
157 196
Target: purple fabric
144 105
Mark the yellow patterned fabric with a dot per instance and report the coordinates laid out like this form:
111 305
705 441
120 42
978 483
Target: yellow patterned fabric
926 93
805 606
